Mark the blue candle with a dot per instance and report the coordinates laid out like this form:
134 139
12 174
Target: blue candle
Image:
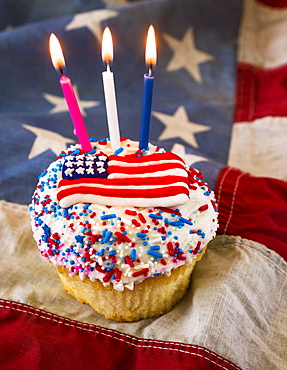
146 111
147 89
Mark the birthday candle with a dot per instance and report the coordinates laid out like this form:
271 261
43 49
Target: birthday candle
150 57
69 94
109 90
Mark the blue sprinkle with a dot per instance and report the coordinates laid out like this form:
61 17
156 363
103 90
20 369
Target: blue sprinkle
155 247
93 140
106 217
133 255
185 221
113 253
86 206
47 230
118 151
77 151
154 254
176 223
79 239
107 237
90 152
141 235
159 217
72 262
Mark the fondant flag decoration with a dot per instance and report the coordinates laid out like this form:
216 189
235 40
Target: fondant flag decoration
154 180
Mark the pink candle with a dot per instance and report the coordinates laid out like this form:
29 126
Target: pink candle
69 94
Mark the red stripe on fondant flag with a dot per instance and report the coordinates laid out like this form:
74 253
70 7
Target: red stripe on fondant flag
260 92
254 208
34 339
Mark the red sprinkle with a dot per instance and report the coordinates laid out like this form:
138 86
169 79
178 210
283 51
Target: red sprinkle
170 210
197 248
163 262
203 208
135 222
140 272
130 212
122 237
108 275
118 276
141 217
170 248
129 261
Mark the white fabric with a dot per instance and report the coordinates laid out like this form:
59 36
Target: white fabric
260 147
263 40
236 306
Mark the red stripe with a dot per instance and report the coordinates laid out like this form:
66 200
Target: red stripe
167 156
274 3
153 181
168 191
254 208
148 168
35 339
260 92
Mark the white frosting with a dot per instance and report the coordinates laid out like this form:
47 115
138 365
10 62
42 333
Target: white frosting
120 245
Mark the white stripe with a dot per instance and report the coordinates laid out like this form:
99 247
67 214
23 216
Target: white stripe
172 172
259 147
262 40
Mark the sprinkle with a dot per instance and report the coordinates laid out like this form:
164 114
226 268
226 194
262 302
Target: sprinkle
163 261
107 237
118 276
129 261
135 222
130 212
106 217
133 255
170 248
108 275
140 272
155 247
141 217
170 210
185 221
176 223
154 254
159 217
90 152
118 151
203 208
122 237
197 248
141 235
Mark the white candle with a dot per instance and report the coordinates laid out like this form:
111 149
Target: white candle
109 90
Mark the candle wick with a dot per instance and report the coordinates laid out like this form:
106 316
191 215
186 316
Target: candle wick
150 70
61 71
108 66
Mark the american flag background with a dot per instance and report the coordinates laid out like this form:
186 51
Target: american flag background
220 102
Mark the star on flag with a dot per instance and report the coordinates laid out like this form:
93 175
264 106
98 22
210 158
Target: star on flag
92 20
46 140
60 104
179 125
186 55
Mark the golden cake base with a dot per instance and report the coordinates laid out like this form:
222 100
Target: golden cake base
153 297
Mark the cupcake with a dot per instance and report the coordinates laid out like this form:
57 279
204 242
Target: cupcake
123 228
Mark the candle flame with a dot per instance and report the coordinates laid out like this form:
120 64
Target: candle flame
56 52
107 47
150 51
